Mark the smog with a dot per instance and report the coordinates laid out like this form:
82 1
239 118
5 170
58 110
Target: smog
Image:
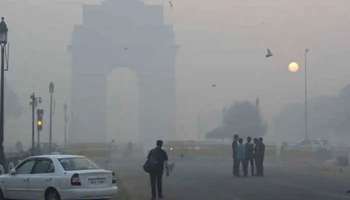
112 79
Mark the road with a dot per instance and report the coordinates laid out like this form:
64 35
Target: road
211 179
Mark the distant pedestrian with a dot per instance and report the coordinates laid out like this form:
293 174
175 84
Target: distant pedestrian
241 157
156 161
2 169
11 165
235 168
249 150
259 156
256 141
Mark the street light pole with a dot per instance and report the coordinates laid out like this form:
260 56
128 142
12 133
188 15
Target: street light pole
2 153
306 96
65 108
51 90
33 121
3 43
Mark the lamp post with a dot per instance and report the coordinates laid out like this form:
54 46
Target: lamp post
294 67
65 108
306 102
3 43
51 90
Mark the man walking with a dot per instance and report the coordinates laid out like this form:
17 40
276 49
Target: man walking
159 159
249 149
235 168
260 155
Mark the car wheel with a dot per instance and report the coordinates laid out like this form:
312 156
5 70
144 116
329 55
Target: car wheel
52 195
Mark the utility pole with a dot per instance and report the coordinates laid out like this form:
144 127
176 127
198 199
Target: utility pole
306 97
3 43
51 90
34 102
65 108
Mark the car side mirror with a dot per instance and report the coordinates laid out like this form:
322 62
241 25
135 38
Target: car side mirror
13 172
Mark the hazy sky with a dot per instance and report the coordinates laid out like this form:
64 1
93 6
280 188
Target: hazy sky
220 42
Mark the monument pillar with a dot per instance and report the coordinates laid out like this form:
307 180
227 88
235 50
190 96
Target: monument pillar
123 33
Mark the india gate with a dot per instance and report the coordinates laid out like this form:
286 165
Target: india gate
123 33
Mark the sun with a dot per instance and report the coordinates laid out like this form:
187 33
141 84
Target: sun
293 67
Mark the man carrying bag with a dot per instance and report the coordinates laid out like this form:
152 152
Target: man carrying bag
156 160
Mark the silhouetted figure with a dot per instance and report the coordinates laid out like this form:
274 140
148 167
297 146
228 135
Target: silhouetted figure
249 150
159 157
255 141
259 157
241 157
2 169
235 167
130 148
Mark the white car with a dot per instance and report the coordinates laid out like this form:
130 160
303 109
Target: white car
57 177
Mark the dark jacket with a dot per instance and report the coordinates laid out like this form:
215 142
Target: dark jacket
241 152
249 150
260 150
159 156
234 149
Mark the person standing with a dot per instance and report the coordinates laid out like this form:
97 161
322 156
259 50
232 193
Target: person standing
159 158
249 149
256 141
260 155
235 168
241 157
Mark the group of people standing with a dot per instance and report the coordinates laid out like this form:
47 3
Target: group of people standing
249 154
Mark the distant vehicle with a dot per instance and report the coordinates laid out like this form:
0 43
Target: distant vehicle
312 145
57 177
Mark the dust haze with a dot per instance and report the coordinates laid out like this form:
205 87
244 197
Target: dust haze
193 73
221 43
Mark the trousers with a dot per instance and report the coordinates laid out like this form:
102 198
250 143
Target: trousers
235 168
259 162
156 184
250 162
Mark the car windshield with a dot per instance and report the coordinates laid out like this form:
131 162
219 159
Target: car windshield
79 163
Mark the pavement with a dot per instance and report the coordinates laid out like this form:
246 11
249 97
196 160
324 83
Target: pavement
211 179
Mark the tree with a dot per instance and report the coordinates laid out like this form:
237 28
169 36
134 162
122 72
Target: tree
243 118
340 123
329 118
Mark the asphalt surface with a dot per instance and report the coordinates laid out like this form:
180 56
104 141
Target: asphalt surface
211 179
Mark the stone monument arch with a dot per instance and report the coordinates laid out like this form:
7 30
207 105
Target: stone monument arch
123 33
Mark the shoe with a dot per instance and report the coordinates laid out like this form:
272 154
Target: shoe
161 197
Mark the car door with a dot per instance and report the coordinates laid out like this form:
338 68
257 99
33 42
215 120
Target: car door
41 178
16 185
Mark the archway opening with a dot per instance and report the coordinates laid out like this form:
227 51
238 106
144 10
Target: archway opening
122 107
